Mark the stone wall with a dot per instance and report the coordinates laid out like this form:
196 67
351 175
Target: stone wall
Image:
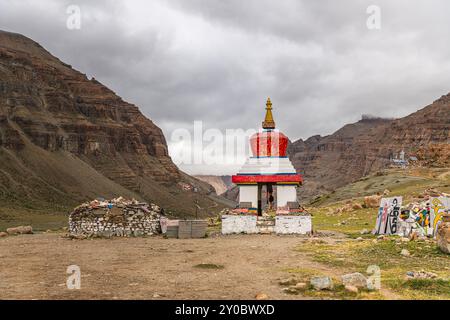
239 224
115 219
295 224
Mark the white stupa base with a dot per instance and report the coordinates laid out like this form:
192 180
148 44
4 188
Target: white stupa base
249 224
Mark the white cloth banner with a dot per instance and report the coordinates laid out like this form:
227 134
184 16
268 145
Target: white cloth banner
388 216
438 206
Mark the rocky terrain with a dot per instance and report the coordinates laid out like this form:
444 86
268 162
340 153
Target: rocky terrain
367 146
65 138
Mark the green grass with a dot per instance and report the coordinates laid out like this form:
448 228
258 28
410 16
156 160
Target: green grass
424 288
406 183
356 256
39 220
209 266
354 222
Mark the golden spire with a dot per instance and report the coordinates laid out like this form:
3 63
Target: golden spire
268 121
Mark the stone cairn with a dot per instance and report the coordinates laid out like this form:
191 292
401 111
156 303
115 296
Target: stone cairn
115 218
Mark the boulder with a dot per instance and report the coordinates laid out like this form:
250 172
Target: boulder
3 234
357 206
372 201
443 234
20 230
356 279
322 283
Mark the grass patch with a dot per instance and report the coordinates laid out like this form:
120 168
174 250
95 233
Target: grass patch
424 288
39 220
356 256
209 266
399 182
349 223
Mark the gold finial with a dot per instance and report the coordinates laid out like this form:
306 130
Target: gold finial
268 121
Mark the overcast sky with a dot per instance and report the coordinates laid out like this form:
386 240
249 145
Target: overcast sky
217 61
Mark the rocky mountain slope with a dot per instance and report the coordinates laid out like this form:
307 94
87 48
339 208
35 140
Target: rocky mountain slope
367 146
65 138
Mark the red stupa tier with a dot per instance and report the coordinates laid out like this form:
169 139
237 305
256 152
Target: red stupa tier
269 143
269 163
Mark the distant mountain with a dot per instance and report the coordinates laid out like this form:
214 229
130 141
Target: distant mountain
220 183
66 139
369 145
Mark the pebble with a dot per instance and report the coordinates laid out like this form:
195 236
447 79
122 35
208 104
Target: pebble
290 290
351 289
301 286
261 296
405 253
288 282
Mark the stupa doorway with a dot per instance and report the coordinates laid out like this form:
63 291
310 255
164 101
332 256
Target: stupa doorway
267 198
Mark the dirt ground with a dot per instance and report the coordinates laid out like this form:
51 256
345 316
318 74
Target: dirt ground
34 267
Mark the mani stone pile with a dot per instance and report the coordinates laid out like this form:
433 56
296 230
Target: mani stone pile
115 218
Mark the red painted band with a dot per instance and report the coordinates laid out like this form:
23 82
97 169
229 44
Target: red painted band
269 178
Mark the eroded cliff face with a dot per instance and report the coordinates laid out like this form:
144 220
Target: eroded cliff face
365 147
45 105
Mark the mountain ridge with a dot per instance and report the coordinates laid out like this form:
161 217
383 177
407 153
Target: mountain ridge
51 112
367 146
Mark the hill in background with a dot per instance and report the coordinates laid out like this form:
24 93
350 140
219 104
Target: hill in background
65 139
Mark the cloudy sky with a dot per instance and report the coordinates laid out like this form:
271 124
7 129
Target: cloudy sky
217 61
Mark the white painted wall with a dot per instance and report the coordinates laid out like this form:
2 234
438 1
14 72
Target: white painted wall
239 224
293 225
286 194
249 194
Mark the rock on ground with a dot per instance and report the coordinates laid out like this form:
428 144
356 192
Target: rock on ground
372 201
443 235
405 253
356 279
261 296
20 230
422 274
322 283
290 290
288 282
351 289
301 286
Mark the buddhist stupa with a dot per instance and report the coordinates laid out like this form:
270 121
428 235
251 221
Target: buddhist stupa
268 168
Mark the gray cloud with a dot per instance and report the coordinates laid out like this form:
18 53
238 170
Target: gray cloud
217 61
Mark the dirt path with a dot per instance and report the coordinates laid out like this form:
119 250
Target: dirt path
34 267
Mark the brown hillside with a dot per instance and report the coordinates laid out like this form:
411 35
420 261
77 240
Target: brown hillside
65 138
368 145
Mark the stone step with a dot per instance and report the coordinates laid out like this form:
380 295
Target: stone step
265 223
266 230
266 219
